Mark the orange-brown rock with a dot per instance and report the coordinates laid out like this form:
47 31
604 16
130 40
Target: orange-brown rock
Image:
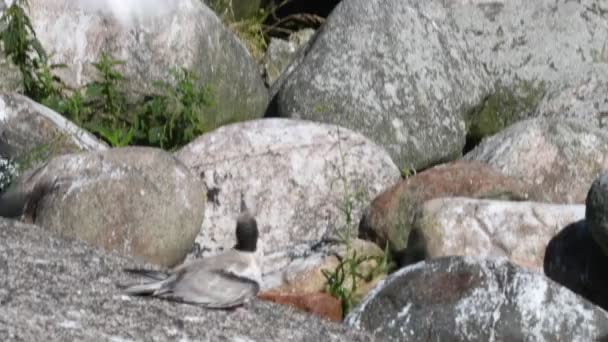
320 303
391 215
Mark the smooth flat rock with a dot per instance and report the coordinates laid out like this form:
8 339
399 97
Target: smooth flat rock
519 231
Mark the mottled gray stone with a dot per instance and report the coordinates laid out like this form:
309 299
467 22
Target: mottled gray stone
544 40
468 299
31 133
152 38
559 158
295 175
54 289
398 72
549 58
136 200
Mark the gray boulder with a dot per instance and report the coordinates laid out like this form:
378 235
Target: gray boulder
585 99
518 231
54 289
280 53
398 72
138 201
466 299
559 158
152 37
597 211
32 133
540 41
10 80
574 260
543 55
297 176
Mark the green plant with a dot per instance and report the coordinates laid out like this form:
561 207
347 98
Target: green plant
254 31
169 119
177 114
407 172
117 137
343 281
106 93
26 52
103 107
72 107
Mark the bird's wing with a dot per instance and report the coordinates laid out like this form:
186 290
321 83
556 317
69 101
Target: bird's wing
212 288
221 281
242 265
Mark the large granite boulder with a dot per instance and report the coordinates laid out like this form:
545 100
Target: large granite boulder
585 99
547 58
399 72
138 201
532 41
32 133
467 299
304 181
152 38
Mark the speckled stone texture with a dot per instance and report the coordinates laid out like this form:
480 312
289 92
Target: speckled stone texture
398 72
296 176
469 299
54 289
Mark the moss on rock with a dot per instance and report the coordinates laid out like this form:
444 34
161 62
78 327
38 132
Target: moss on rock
507 105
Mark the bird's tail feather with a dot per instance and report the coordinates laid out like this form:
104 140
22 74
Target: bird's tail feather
158 285
144 289
151 274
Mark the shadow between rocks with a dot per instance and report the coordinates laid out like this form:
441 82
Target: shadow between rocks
574 260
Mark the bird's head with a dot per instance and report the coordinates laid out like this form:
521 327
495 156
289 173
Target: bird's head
246 233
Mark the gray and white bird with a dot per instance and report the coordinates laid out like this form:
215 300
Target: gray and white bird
222 281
